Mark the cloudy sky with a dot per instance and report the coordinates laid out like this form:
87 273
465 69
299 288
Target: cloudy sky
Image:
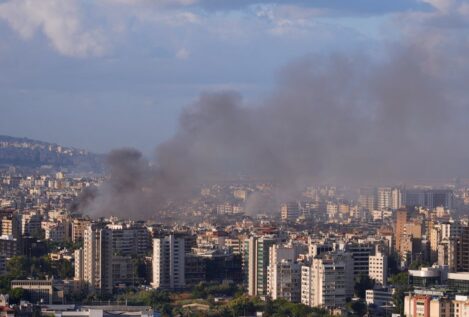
101 74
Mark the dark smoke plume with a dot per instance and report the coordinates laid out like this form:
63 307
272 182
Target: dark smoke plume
336 119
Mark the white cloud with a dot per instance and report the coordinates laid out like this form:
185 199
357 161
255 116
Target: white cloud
60 21
449 7
183 54
442 5
287 19
161 3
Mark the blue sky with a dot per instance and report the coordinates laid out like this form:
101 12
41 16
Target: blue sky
111 73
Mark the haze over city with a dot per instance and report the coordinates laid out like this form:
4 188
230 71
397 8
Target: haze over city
234 158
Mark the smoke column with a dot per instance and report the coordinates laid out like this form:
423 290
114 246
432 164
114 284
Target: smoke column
338 119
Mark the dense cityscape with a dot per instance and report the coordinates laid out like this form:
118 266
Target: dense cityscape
334 251
234 158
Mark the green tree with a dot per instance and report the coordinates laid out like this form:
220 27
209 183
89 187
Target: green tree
243 305
62 269
400 279
153 298
393 263
199 291
401 283
363 283
16 295
357 308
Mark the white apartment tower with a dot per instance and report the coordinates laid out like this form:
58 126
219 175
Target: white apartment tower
389 198
328 281
284 274
168 262
96 258
79 265
384 198
378 268
396 198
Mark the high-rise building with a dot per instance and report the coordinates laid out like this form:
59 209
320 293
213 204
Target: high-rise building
290 211
332 210
11 226
396 198
3 265
328 281
8 246
360 254
130 239
78 229
435 237
428 198
169 262
284 274
401 220
79 266
31 224
367 198
378 268
447 254
462 250
453 251
235 245
97 259
256 261
414 228
316 248
123 270
389 198
55 230
384 198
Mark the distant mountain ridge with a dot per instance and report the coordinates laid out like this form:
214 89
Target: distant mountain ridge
24 152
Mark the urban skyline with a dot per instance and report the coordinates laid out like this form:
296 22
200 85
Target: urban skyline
234 158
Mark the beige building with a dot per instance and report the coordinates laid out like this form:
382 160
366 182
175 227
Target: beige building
414 228
41 291
234 245
401 220
378 268
427 305
56 231
78 229
332 210
461 306
11 226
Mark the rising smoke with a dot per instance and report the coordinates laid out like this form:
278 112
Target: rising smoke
336 119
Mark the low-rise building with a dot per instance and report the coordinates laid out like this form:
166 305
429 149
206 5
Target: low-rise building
427 304
42 291
379 296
